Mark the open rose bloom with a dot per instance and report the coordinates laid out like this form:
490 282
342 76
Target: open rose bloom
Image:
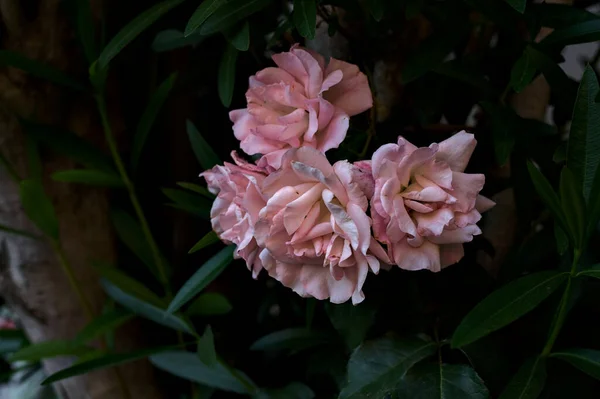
424 207
304 101
314 229
321 228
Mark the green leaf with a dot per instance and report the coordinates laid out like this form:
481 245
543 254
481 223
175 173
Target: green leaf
38 69
89 176
376 8
593 271
10 230
352 322
444 381
191 202
38 207
594 206
547 193
582 32
583 152
523 71
503 122
305 17
559 15
586 360
130 232
48 349
103 324
70 145
128 284
463 72
518 5
295 339
145 309
231 13
529 381
204 10
294 390
188 366
133 29
197 189
171 39
202 278
239 36
377 367
506 305
205 155
562 241
104 362
157 100
573 205
560 154
430 54
85 29
226 78
206 348
209 239
209 304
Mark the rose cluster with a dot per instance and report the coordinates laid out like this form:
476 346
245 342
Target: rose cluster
320 228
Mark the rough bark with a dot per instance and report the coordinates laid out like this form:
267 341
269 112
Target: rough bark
31 279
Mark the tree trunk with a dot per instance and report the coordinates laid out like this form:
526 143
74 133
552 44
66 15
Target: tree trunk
31 280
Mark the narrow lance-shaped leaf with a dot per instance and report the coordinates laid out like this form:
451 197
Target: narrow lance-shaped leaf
506 305
351 322
444 381
547 193
204 10
204 276
231 13
583 152
133 29
197 189
144 309
582 32
128 284
573 205
226 76
38 69
90 177
85 29
205 155
206 348
48 349
529 381
586 360
104 362
593 271
103 324
376 368
239 36
376 8
305 17
209 304
209 239
291 339
70 145
518 5
38 207
171 39
523 71
594 205
188 365
189 202
149 116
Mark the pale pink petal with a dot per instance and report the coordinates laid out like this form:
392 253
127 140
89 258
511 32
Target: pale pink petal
456 236
456 150
451 254
483 204
433 223
466 187
427 256
272 75
335 132
243 123
352 94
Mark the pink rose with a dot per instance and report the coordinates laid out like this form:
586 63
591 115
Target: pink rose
314 229
302 102
424 207
235 210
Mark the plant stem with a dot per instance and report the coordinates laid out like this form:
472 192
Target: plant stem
68 270
562 307
132 195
